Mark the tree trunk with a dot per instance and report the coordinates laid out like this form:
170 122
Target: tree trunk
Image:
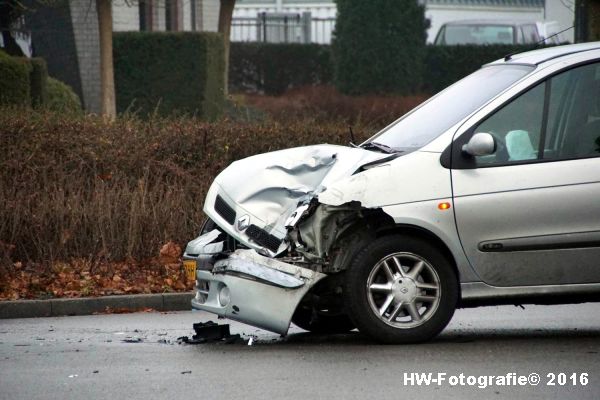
107 80
225 16
593 20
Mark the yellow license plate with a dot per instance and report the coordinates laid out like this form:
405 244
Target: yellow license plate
190 269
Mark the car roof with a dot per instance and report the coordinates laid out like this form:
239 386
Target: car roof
490 22
536 57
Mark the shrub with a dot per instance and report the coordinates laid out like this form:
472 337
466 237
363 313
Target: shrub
14 81
379 46
61 97
171 73
273 68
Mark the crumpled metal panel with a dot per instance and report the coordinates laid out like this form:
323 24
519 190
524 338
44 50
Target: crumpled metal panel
203 244
268 187
250 264
256 296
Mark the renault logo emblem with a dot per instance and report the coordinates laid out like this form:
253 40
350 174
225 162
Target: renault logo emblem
243 223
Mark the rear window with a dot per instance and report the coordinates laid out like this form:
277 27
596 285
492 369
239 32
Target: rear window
475 34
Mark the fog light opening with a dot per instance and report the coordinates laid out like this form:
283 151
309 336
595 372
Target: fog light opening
224 296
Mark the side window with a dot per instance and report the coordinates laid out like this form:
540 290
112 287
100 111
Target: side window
516 127
559 119
573 129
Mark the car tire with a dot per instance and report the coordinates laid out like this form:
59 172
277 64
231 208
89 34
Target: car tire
399 289
315 321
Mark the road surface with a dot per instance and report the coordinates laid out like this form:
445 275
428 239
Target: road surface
136 356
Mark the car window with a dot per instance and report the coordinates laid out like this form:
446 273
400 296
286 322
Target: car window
516 128
563 112
574 114
476 34
448 107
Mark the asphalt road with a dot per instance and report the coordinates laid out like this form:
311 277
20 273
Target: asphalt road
89 357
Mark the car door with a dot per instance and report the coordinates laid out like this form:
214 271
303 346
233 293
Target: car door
529 214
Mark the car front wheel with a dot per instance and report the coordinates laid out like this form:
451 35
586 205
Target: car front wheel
400 289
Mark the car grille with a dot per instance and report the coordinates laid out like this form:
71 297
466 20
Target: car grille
263 238
224 210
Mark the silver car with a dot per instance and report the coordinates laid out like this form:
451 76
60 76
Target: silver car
488 193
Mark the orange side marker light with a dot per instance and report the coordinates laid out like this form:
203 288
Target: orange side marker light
444 206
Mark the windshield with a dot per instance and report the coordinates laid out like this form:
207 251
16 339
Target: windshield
476 34
438 114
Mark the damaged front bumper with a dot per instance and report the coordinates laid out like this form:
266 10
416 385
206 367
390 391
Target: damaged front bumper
250 288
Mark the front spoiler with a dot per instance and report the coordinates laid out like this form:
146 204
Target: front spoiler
254 289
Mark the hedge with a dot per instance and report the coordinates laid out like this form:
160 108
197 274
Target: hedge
379 46
83 186
169 73
14 81
272 68
445 65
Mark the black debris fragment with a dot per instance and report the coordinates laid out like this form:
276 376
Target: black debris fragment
186 372
187 340
132 340
95 371
211 332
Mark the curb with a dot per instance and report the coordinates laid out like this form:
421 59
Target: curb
91 305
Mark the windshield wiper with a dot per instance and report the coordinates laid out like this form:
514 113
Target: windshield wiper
380 146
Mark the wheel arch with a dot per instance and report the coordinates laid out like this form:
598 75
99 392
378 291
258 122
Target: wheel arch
376 223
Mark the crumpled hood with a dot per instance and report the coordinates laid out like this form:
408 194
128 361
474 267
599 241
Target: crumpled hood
268 187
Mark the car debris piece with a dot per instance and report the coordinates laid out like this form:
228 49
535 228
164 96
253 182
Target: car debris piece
210 332
132 340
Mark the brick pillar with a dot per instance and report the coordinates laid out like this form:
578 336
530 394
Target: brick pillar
85 30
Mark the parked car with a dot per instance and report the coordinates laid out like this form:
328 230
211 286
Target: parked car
487 193
489 32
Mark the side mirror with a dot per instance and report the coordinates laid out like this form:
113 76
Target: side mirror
480 144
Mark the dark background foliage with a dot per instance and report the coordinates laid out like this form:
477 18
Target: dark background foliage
379 46
274 68
169 73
